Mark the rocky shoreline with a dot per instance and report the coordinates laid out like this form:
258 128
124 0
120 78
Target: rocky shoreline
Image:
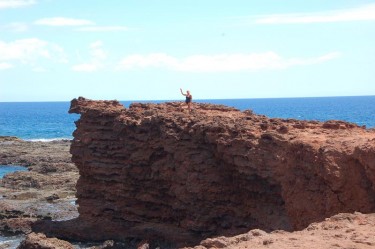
46 191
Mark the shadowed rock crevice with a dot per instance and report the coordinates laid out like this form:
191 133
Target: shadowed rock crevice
155 172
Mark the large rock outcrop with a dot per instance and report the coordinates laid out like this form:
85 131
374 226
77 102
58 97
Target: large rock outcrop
154 171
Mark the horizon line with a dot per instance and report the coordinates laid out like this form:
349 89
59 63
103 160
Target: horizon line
178 100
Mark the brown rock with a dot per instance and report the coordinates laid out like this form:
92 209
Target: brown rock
154 172
40 241
16 225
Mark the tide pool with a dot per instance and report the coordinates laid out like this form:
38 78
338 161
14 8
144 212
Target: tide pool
6 169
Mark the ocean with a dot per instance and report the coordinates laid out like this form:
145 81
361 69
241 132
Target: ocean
45 121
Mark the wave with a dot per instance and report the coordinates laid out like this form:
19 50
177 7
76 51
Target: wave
11 242
46 140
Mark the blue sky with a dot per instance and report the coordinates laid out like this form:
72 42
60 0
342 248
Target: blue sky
56 50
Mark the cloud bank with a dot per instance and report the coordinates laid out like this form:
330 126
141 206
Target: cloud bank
103 28
4 66
362 13
29 52
16 27
219 63
81 24
7 4
63 21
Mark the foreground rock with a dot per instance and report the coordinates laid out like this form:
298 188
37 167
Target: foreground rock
45 192
156 172
340 231
40 241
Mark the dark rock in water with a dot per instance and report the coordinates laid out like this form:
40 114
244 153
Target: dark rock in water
52 197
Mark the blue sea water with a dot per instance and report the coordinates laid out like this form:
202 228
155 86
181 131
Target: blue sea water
36 120
5 169
50 120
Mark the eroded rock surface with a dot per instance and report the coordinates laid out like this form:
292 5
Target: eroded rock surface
155 171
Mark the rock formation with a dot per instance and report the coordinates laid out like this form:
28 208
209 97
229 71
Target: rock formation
155 171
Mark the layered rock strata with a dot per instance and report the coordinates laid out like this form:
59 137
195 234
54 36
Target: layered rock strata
156 171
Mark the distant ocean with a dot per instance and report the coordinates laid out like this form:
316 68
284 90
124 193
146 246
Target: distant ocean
45 121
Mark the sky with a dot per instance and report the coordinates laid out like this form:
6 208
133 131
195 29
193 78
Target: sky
57 50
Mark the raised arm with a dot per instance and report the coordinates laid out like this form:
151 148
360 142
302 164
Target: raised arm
182 92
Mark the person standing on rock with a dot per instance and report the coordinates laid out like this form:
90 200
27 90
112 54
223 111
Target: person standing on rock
188 99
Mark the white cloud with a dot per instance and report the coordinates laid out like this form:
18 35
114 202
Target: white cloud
63 21
362 13
96 51
30 52
103 29
4 66
39 69
88 67
97 54
5 4
15 27
96 44
219 63
83 24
